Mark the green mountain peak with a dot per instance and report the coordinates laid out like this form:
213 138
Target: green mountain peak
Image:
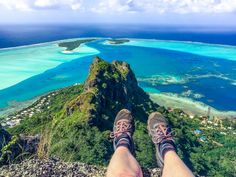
109 88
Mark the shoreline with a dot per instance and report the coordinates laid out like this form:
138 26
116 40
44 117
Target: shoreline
181 41
99 38
171 100
9 110
46 43
189 106
174 41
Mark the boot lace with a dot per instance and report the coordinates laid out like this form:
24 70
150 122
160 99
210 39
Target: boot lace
122 126
161 132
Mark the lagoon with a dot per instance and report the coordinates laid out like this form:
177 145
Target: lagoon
198 71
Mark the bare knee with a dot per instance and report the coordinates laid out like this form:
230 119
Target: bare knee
129 175
121 175
124 173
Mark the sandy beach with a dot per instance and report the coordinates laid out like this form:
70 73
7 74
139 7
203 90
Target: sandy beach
189 106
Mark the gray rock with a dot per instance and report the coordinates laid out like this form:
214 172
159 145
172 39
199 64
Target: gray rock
52 167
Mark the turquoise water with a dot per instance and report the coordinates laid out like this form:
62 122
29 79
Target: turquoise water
209 50
202 72
18 64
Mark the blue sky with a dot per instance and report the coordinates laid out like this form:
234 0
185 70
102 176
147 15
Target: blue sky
174 12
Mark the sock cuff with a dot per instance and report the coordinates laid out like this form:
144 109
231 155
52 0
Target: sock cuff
167 146
125 141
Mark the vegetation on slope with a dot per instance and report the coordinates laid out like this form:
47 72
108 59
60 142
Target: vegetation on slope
77 124
80 118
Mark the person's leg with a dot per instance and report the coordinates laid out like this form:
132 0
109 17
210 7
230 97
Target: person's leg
123 163
174 166
166 155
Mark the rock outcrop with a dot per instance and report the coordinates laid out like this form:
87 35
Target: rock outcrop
109 88
16 148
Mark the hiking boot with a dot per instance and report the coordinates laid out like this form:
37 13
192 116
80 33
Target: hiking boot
123 130
161 134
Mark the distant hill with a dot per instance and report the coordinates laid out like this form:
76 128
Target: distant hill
76 123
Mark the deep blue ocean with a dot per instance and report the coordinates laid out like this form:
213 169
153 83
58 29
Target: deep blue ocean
218 93
17 35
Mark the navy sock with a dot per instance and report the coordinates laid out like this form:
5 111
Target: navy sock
166 146
125 141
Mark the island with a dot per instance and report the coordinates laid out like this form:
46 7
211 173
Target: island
71 45
117 41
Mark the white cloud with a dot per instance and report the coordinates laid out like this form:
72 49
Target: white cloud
166 6
72 4
13 5
114 6
29 5
46 3
131 6
76 6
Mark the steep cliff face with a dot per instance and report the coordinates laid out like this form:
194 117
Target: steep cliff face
15 148
109 88
5 137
